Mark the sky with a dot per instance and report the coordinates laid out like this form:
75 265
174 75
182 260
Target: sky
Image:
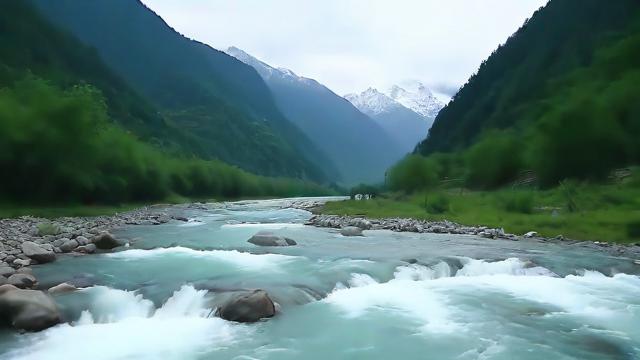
351 45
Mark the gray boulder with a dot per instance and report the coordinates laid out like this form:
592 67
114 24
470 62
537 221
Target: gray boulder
6 271
82 240
351 231
28 310
37 252
22 262
264 238
62 289
248 307
22 281
106 241
69 245
86 249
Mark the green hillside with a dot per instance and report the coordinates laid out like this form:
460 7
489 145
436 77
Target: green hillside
560 98
221 103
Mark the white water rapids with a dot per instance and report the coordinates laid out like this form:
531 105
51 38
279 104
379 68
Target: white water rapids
341 298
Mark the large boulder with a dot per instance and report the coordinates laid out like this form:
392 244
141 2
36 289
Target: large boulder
69 245
28 310
351 231
22 281
264 238
248 307
106 241
37 252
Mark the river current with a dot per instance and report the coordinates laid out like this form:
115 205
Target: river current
382 296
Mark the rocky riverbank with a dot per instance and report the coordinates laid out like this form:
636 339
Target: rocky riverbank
27 240
448 227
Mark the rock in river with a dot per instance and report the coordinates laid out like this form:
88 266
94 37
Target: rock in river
28 310
248 307
37 252
351 231
62 289
106 241
22 281
264 238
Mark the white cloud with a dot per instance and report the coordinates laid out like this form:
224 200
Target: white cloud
353 44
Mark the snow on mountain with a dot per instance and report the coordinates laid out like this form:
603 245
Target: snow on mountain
266 71
372 102
418 99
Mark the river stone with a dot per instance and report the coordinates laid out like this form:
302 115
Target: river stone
28 310
531 234
69 245
86 249
37 252
6 271
248 307
82 240
25 270
264 238
105 241
22 262
351 231
22 281
62 289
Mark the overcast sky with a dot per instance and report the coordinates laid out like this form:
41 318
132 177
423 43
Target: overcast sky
350 45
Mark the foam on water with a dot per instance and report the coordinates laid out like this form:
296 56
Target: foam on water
234 257
431 296
180 329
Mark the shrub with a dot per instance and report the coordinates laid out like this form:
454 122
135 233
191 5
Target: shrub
633 229
494 161
436 204
48 228
517 202
414 173
569 191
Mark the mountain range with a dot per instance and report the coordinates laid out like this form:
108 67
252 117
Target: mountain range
405 114
361 146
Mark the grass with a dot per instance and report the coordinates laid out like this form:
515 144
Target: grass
608 212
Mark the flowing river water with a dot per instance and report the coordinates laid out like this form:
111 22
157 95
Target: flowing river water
383 296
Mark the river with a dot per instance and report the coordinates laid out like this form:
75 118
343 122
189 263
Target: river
382 296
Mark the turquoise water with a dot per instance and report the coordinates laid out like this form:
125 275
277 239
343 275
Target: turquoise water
383 296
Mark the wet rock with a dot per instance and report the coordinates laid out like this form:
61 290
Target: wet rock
248 307
531 234
69 245
86 249
22 281
264 238
62 289
25 270
37 252
28 310
106 241
181 218
351 231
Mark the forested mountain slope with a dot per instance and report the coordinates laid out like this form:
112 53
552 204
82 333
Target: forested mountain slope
561 37
560 98
360 148
221 103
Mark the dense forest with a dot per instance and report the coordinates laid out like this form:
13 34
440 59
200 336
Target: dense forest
220 103
559 100
74 131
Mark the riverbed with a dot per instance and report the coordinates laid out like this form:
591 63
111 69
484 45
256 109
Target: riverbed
385 295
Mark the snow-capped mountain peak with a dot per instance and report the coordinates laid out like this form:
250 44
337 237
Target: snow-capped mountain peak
372 102
418 98
415 97
266 71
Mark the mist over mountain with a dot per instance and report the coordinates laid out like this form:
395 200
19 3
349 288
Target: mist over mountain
360 147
